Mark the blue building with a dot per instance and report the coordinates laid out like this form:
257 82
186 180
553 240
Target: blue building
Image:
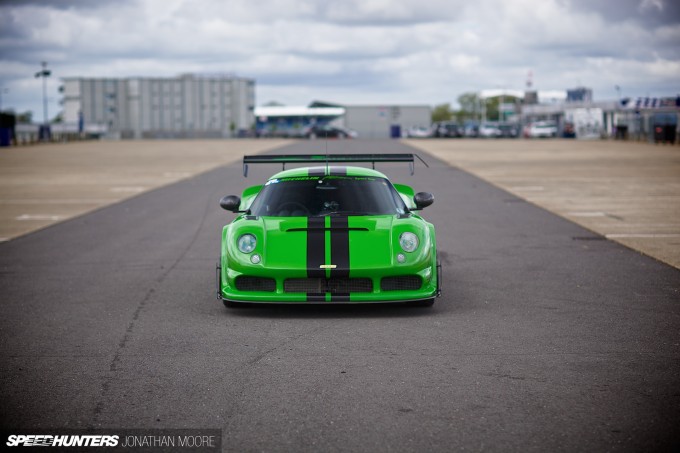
580 94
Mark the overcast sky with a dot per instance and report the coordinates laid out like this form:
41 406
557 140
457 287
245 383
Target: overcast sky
347 51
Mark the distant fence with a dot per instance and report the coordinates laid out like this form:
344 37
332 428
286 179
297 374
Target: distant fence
27 134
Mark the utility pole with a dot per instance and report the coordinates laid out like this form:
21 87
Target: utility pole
483 101
2 91
45 73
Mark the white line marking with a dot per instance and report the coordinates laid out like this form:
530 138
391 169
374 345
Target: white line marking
50 217
64 201
528 188
176 174
128 189
587 214
642 235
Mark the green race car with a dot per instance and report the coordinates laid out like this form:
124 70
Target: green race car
328 234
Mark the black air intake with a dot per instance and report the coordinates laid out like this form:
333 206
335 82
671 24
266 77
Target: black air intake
244 283
401 283
330 285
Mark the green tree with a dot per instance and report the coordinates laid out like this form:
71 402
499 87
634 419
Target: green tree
442 112
473 107
493 104
469 102
470 107
491 107
25 118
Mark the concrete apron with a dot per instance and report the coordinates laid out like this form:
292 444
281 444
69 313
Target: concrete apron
626 192
48 183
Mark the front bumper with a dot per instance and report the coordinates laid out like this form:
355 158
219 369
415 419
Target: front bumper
430 288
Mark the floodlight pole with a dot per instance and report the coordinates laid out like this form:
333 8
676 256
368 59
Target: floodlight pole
2 91
45 73
501 116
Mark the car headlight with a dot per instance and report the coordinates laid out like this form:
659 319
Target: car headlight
408 242
246 243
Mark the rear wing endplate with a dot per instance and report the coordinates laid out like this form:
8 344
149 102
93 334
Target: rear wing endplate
284 159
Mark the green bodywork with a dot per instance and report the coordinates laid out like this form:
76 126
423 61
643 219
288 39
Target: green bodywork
282 244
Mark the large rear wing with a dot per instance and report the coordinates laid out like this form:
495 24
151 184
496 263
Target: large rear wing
326 159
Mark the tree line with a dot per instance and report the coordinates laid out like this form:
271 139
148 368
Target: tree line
474 107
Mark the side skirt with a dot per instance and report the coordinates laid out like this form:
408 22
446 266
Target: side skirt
218 274
439 278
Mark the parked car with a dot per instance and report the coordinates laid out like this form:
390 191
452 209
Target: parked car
350 132
328 234
419 132
447 129
542 129
326 131
489 130
509 130
471 130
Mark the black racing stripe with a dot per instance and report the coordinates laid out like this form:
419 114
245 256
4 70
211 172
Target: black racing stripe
316 247
316 171
340 297
316 297
340 246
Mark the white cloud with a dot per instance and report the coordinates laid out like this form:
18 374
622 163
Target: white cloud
351 51
651 4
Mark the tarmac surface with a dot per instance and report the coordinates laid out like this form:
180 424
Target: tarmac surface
547 337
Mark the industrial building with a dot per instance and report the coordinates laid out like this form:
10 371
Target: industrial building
188 106
646 119
368 121
383 121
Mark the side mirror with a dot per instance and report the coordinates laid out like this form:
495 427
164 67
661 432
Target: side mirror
230 203
423 199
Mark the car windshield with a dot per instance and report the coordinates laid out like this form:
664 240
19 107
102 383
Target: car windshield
310 196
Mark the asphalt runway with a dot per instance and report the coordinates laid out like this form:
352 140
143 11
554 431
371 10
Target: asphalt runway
547 337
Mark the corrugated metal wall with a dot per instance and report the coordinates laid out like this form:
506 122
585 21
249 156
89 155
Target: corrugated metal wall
375 121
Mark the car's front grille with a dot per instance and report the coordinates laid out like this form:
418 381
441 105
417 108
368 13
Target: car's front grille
246 283
328 285
401 283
